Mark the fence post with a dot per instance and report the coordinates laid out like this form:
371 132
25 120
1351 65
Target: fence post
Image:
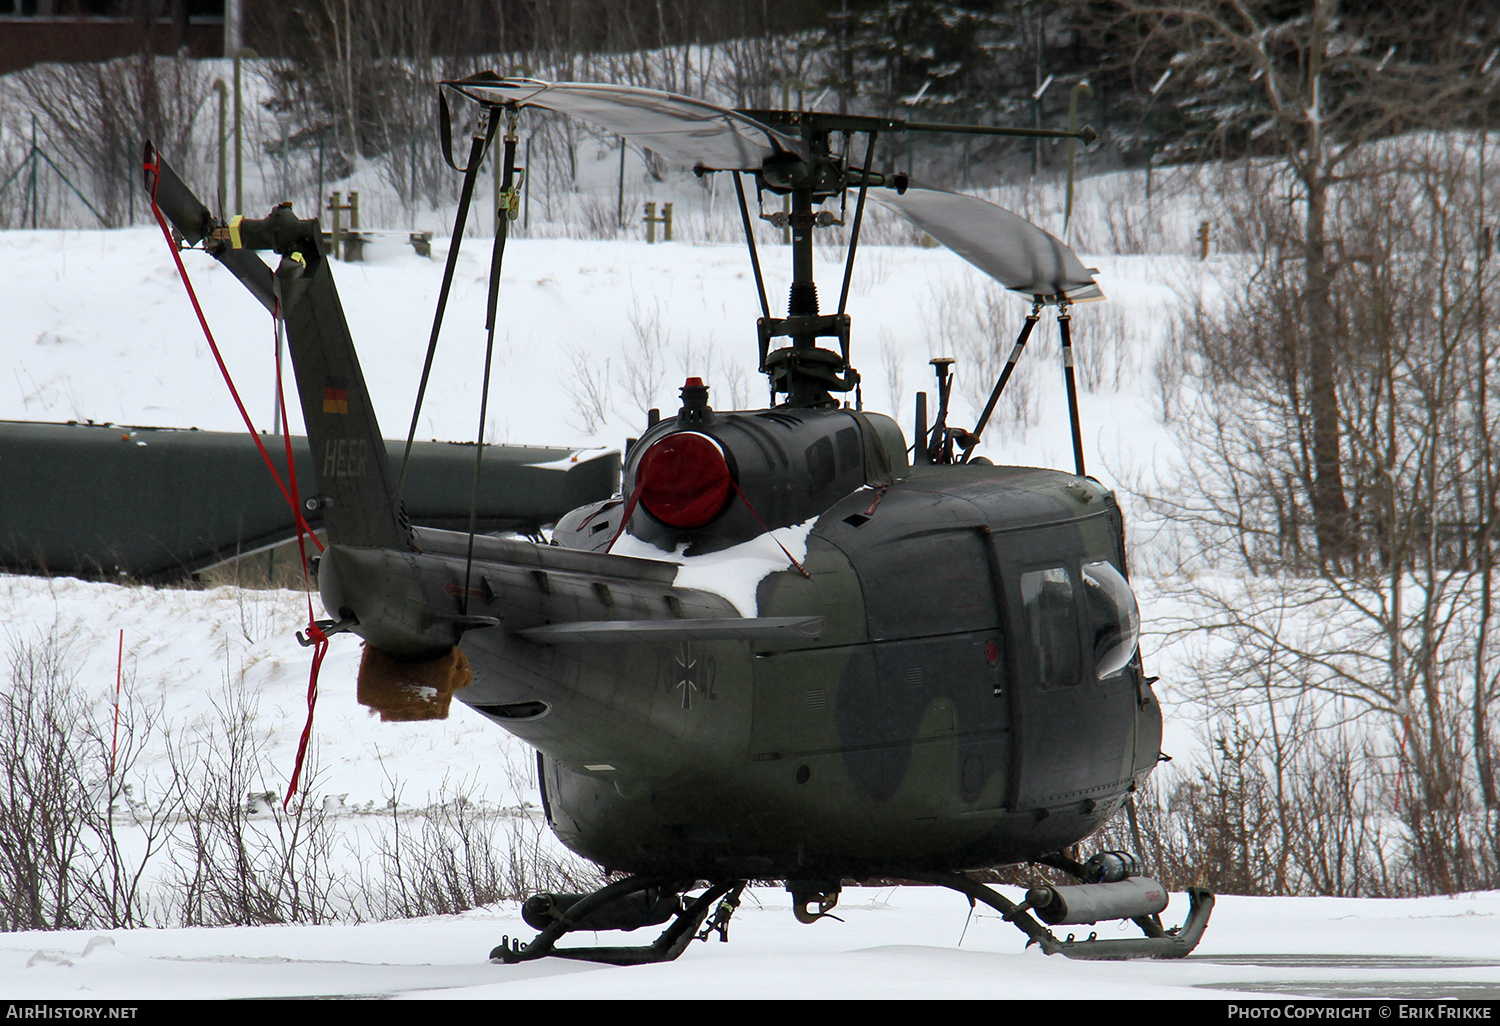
335 207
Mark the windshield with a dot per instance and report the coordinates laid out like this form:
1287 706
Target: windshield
1114 617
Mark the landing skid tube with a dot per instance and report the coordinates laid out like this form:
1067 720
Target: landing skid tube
1158 942
720 899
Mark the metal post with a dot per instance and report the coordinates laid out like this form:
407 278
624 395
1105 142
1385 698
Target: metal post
322 141
786 201
277 428
620 203
1036 97
232 25
284 118
1151 128
1082 87
223 91
334 207
239 166
411 166
526 189
239 162
1036 121
1150 148
31 183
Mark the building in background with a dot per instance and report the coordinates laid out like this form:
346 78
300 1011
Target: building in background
71 31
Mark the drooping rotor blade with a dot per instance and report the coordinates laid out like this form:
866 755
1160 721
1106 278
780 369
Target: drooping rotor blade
1007 247
680 128
195 222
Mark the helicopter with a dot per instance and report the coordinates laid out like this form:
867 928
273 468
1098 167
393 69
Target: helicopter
945 676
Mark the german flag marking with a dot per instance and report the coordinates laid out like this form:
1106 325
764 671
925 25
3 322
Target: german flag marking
335 395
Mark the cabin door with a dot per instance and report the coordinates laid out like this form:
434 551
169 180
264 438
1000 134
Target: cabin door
1072 729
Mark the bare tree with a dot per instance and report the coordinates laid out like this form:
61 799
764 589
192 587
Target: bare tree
1319 82
95 117
1397 633
80 820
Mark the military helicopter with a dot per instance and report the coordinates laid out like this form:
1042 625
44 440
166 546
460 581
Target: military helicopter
946 678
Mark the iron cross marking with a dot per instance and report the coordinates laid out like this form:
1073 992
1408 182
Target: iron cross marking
687 673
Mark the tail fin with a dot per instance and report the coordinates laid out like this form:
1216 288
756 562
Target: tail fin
356 486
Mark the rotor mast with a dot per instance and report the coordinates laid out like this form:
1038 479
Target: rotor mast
806 373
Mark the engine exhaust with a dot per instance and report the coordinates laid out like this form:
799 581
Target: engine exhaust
1089 903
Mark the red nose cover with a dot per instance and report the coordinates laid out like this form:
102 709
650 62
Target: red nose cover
684 480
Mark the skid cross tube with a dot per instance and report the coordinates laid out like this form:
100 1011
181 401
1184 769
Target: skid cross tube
673 940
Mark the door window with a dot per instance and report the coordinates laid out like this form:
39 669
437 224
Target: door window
1052 620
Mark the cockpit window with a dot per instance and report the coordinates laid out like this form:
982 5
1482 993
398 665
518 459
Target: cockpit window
1114 617
1052 619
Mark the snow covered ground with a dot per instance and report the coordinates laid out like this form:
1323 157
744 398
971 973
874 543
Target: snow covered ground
96 326
895 942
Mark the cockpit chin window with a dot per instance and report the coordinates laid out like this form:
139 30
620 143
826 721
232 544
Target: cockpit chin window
1114 617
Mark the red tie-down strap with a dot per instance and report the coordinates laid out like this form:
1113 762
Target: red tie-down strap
304 530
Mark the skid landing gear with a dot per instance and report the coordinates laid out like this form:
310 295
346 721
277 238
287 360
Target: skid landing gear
1136 898
594 912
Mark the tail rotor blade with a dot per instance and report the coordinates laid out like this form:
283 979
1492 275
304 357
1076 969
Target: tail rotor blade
195 222
186 211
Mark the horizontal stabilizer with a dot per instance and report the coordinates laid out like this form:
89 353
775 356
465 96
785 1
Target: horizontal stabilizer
1003 245
680 128
749 628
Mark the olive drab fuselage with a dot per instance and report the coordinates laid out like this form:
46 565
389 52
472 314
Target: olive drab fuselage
943 677
923 728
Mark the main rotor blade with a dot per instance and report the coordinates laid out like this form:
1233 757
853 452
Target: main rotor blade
1007 247
680 128
195 222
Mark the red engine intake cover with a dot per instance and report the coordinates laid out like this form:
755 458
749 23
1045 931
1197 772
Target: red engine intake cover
684 480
